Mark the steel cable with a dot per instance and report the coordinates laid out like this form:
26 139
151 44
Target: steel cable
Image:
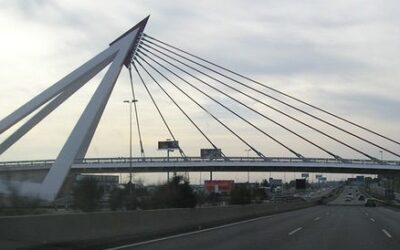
271 107
272 89
201 106
136 112
158 109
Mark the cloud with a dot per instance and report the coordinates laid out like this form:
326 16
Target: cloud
324 52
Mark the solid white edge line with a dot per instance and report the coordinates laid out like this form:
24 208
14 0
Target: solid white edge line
189 233
387 233
295 231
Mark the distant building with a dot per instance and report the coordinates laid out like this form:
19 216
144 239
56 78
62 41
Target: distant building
360 180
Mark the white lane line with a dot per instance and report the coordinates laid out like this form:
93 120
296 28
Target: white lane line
372 219
317 218
387 233
295 231
189 233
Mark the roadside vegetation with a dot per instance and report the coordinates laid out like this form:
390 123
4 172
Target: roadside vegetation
89 195
174 194
86 194
15 204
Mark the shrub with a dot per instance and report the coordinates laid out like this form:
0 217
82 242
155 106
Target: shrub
87 194
241 194
175 194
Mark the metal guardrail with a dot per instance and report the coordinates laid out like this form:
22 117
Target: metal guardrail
116 160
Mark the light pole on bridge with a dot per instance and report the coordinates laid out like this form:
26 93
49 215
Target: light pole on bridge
248 172
130 102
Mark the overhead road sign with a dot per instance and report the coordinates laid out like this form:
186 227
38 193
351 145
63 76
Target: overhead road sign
168 145
210 153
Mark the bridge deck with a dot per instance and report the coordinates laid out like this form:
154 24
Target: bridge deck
162 164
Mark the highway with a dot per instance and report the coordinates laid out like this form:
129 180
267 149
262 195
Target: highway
340 225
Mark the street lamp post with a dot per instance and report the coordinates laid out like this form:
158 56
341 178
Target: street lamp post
248 172
380 151
130 141
169 150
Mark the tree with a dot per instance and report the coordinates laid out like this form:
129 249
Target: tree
175 194
201 197
258 193
264 183
18 204
116 200
130 196
241 194
87 193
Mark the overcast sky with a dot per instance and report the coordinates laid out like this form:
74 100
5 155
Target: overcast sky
340 55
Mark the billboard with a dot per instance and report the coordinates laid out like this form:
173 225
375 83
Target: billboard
300 183
219 186
304 175
164 145
210 153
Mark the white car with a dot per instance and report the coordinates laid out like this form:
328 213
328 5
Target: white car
348 197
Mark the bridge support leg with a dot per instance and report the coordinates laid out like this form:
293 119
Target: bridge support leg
117 55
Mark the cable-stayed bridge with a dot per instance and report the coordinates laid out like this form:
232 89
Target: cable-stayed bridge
151 61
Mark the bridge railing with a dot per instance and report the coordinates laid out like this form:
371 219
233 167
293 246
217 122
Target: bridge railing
235 159
26 163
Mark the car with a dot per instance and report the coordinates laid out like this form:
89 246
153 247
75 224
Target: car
347 199
361 198
370 203
349 196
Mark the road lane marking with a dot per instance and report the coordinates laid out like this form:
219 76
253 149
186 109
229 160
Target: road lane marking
372 219
317 218
295 231
189 233
387 233
366 214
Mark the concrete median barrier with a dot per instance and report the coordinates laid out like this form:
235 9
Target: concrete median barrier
109 226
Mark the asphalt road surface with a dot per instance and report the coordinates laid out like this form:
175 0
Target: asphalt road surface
350 196
339 226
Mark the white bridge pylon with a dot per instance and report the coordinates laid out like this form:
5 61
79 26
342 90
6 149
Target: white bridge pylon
118 54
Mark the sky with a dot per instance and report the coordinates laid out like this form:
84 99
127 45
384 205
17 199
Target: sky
342 56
